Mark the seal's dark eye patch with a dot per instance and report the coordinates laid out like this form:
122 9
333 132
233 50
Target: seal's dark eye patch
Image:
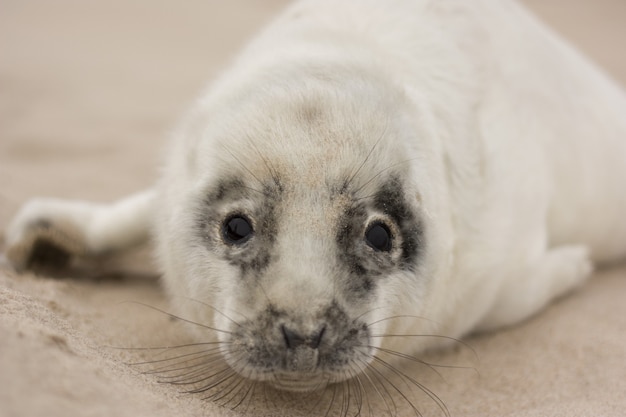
237 229
378 237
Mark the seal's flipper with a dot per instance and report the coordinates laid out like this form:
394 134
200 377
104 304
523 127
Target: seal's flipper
50 233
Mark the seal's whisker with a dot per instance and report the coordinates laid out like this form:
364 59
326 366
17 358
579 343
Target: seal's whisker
245 167
164 349
193 381
192 369
442 406
430 365
174 316
262 288
321 395
253 189
270 168
214 385
223 374
356 319
365 197
400 316
265 401
255 384
243 384
453 339
367 157
411 358
187 378
235 322
366 372
332 401
316 404
358 394
363 392
343 397
172 367
193 377
395 388
201 371
173 358
379 173
250 386
273 402
347 390
225 392
346 397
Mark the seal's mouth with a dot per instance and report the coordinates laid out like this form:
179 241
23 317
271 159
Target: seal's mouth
298 370
300 381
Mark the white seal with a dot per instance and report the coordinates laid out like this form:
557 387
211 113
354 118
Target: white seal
369 168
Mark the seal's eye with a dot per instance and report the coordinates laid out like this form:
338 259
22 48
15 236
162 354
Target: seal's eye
378 237
236 229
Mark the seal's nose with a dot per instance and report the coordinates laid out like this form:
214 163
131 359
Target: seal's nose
294 340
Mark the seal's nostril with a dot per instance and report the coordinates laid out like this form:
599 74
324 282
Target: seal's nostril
316 340
294 340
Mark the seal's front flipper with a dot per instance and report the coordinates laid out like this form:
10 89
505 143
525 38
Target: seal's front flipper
51 233
46 244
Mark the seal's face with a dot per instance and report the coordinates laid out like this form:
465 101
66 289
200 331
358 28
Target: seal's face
304 271
303 238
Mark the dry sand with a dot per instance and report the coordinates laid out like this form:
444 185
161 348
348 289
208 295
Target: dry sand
89 91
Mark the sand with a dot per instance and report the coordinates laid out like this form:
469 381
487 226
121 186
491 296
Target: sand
89 92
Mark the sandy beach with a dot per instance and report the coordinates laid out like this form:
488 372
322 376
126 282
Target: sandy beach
89 94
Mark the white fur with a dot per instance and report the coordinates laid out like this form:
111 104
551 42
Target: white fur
517 147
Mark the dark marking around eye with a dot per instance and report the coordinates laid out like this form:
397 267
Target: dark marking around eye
367 266
391 200
347 241
230 189
230 236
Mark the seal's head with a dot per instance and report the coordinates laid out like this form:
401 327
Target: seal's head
295 212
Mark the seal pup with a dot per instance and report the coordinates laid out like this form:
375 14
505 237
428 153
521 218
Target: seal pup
363 162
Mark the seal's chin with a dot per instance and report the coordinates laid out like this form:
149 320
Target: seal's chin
300 381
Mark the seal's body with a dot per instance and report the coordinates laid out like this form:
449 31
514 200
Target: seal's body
370 168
